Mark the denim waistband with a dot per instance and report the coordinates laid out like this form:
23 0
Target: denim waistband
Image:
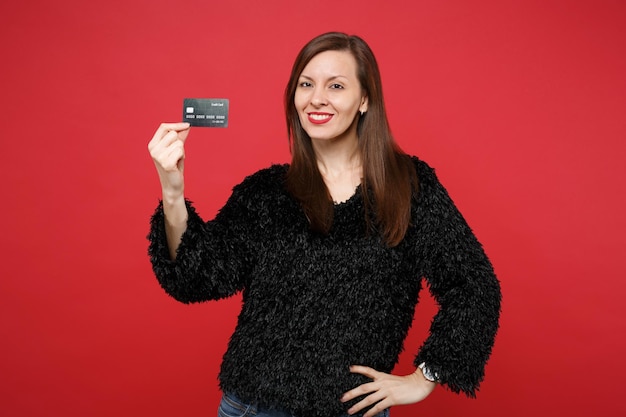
231 406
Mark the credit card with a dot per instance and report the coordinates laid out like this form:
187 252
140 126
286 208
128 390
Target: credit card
206 112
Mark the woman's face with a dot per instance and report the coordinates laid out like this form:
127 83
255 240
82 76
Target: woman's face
329 96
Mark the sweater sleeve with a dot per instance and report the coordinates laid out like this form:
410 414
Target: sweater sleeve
462 281
213 259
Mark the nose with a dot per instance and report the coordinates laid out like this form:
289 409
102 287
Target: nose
318 98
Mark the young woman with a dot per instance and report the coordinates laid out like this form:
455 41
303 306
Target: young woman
330 253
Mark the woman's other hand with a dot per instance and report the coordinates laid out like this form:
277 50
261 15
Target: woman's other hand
387 390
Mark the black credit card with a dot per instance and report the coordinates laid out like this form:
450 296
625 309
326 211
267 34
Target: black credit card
206 112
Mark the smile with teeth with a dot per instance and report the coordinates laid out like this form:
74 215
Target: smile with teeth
319 118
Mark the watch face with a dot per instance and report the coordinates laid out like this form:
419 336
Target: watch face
428 374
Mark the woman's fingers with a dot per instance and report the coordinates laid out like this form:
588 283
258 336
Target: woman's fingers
365 388
164 128
375 397
172 157
182 134
364 370
359 391
167 144
166 134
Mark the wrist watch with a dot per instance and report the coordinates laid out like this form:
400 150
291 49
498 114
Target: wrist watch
428 374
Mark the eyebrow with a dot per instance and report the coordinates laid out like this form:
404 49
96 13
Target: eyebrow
334 77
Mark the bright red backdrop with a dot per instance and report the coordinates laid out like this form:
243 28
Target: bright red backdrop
520 106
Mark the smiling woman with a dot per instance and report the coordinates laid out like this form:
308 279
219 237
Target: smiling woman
318 178
328 99
330 289
329 96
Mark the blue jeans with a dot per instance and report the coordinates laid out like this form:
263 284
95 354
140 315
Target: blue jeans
231 406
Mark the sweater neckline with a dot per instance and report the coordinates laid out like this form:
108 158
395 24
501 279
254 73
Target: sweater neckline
349 200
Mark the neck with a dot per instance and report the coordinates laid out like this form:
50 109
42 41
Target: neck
337 157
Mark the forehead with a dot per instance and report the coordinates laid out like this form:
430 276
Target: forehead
331 64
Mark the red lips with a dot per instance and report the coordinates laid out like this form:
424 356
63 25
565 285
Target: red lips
319 118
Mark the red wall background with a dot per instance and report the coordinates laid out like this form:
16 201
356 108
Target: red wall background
520 105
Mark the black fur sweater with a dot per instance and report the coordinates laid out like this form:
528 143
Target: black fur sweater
313 305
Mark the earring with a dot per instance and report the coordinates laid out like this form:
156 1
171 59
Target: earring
362 112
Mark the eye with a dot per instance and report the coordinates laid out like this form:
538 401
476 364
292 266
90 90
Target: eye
304 84
336 86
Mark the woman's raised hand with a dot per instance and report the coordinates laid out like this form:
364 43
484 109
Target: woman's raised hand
167 149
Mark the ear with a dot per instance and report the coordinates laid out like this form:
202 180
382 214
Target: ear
364 105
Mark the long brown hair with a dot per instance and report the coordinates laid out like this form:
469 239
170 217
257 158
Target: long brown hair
389 177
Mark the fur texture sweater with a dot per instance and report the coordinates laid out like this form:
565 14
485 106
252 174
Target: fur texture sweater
315 304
